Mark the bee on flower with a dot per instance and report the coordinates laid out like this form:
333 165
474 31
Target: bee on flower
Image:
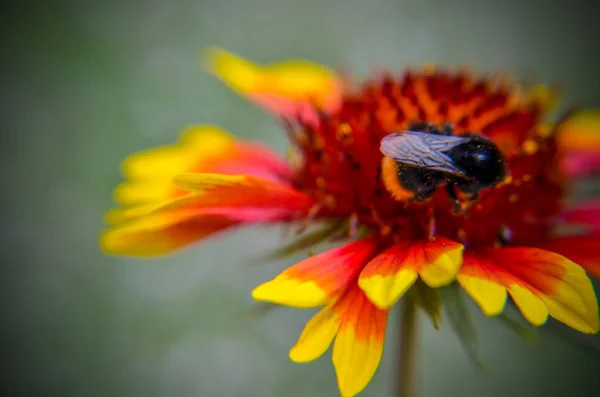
439 177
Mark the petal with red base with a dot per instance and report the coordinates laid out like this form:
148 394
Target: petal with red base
583 250
359 330
238 191
390 274
202 148
540 282
289 88
319 279
220 201
359 342
160 234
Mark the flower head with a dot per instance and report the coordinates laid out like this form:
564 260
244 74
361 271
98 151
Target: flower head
497 243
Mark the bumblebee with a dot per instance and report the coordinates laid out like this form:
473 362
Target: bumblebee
424 158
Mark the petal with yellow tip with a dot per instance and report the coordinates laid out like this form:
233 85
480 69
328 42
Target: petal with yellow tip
221 201
359 343
359 331
160 234
316 337
220 190
540 282
288 88
197 144
390 274
319 279
201 148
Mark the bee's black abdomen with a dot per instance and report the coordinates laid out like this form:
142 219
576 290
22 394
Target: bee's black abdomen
480 160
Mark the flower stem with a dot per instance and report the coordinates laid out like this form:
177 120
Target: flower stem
407 348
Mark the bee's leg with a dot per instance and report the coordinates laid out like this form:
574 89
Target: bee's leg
451 189
504 236
420 126
446 129
474 196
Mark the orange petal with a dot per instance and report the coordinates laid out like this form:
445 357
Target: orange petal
317 336
319 279
584 250
578 135
541 283
359 342
390 274
285 88
160 234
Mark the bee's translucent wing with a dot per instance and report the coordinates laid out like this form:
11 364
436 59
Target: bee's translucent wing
422 149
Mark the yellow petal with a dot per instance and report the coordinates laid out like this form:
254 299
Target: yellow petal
159 234
540 282
359 343
196 142
316 337
144 191
489 295
445 258
384 291
297 80
531 306
291 292
544 96
574 301
389 275
117 216
207 181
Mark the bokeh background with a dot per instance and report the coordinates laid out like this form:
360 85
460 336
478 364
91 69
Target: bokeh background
85 83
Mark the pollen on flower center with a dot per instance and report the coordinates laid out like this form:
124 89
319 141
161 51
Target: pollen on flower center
342 166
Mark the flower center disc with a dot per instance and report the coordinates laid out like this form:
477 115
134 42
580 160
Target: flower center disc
340 163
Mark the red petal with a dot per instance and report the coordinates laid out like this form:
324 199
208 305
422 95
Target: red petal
581 163
587 213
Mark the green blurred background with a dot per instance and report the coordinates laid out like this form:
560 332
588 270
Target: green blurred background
84 84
